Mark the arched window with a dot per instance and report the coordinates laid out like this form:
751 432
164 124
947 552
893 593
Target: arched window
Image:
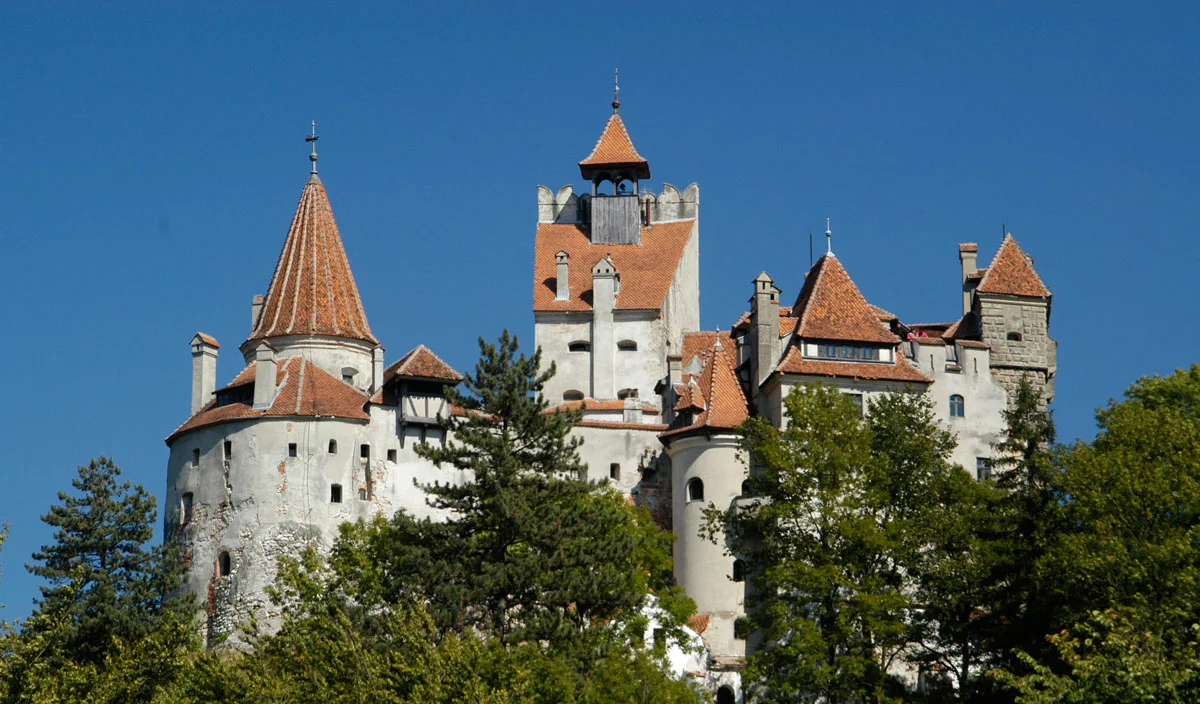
1014 337
572 395
579 346
695 489
739 571
333 447
223 566
627 346
745 487
957 408
725 695
627 393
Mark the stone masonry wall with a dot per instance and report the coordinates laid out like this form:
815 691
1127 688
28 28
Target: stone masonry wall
1033 356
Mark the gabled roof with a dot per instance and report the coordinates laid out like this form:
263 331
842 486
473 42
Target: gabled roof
312 291
830 307
1011 273
303 389
614 149
724 401
646 269
421 363
207 339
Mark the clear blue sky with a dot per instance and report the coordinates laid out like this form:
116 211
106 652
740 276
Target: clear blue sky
153 155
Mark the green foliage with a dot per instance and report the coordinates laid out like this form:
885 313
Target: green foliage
530 551
834 540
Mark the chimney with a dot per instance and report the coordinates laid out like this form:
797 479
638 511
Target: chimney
605 282
204 369
764 328
376 369
967 253
264 376
256 306
632 411
674 369
562 277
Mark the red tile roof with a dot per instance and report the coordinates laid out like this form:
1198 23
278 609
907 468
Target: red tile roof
614 148
421 363
787 323
698 622
591 404
724 401
968 247
304 389
615 425
312 291
208 339
794 362
832 308
1011 273
646 269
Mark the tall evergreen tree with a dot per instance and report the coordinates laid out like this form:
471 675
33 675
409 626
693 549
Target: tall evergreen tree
104 581
529 550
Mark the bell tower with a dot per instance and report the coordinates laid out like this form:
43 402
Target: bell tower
615 217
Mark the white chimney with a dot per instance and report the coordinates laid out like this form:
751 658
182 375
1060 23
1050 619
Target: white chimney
256 306
562 277
264 376
376 369
204 369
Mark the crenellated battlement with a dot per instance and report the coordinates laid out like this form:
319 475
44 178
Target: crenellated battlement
567 207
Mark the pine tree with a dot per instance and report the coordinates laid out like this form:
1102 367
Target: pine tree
529 550
104 581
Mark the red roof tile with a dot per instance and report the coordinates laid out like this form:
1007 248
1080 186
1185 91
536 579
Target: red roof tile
312 291
698 622
717 386
208 339
614 148
304 389
420 362
832 308
646 269
968 247
1011 273
794 362
591 404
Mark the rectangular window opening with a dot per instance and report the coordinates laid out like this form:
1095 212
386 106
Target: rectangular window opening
983 468
186 508
614 471
291 449
391 455
335 493
228 449
364 451
196 457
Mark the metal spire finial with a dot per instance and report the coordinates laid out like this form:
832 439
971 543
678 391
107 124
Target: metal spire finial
616 89
313 138
828 238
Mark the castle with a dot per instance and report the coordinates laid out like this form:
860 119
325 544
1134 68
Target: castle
316 429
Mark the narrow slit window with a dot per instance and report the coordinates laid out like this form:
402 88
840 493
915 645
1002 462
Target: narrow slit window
739 571
186 508
223 564
614 471
364 451
333 447
228 449
196 457
291 449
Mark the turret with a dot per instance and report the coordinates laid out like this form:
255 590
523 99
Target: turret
764 330
616 218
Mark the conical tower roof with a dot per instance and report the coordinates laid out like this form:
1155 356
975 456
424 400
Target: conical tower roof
312 291
614 150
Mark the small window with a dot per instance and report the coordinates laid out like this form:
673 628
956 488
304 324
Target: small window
695 489
614 471
335 493
223 565
627 346
228 450
572 395
185 508
579 346
828 351
725 694
741 629
627 393
196 457
983 468
847 352
364 451
333 447
362 494
739 571
391 455
348 378
348 374
858 402
291 449
957 407
869 354
1014 337
745 487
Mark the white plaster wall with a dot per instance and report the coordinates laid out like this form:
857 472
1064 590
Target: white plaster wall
681 308
328 353
627 447
703 568
553 333
871 390
643 368
984 400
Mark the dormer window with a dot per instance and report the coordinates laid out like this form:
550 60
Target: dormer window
849 352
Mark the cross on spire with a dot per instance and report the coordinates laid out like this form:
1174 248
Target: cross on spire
313 138
616 89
